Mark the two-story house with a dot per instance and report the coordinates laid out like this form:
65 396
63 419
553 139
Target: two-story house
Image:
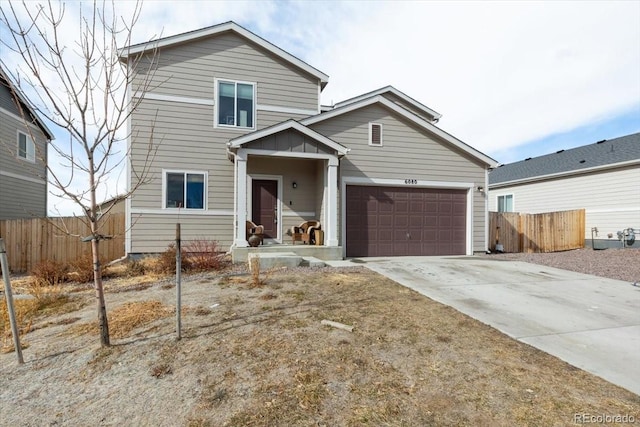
241 135
23 155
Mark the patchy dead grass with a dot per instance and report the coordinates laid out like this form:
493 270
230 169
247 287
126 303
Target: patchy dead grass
126 318
259 356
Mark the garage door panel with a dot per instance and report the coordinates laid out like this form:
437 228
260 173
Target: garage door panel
388 221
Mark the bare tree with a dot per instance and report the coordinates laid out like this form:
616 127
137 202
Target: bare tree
81 87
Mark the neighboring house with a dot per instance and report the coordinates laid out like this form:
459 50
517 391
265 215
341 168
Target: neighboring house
23 155
603 178
242 136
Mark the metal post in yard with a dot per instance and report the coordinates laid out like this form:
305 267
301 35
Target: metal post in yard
9 297
178 282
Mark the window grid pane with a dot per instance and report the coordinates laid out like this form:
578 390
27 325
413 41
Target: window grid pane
175 190
195 191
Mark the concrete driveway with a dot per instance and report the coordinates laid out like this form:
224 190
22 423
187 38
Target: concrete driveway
590 322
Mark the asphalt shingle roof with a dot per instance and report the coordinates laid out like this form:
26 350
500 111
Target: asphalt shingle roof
602 153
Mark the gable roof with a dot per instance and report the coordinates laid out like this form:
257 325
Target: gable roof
289 124
600 155
221 28
419 121
435 116
26 104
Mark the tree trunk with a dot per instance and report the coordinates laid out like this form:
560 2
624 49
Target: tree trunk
97 280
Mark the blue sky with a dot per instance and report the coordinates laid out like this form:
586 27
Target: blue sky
512 79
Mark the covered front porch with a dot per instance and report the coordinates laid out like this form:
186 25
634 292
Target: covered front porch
285 175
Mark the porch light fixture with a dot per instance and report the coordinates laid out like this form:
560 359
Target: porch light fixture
294 184
481 188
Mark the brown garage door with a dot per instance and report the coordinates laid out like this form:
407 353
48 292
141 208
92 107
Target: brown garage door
400 221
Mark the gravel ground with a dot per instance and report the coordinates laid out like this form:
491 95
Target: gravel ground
620 264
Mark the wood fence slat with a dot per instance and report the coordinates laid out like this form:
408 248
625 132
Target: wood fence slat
29 241
544 232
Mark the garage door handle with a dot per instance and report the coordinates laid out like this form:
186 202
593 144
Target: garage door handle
408 236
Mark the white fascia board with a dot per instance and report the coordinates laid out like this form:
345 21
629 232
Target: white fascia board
406 114
289 124
564 174
396 92
124 53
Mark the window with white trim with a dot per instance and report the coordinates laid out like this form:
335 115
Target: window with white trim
375 134
505 203
26 147
235 104
186 190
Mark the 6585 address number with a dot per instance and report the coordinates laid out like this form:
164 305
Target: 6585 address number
411 181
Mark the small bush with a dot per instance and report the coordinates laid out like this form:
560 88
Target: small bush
166 261
82 269
134 268
203 255
50 273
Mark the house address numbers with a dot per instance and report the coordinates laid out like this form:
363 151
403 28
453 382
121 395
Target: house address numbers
411 181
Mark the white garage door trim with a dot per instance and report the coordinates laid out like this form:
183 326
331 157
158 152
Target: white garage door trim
409 183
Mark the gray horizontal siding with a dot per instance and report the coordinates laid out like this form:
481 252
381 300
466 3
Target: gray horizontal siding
9 161
7 100
408 152
22 199
19 196
189 70
156 232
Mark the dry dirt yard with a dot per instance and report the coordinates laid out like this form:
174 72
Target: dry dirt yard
259 356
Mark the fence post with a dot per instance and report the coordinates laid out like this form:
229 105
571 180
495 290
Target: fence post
9 297
178 282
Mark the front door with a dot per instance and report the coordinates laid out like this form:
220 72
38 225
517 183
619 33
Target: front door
264 206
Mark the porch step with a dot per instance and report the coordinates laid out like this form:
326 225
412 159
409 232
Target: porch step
274 259
310 261
325 253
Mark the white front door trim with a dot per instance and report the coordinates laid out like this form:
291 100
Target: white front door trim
277 178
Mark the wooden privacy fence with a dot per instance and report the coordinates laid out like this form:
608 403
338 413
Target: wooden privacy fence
544 232
29 241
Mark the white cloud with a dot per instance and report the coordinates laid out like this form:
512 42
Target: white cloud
501 73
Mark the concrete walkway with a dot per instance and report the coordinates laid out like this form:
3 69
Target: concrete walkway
590 322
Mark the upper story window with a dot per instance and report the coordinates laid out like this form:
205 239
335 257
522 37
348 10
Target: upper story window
185 189
505 203
235 104
375 134
26 147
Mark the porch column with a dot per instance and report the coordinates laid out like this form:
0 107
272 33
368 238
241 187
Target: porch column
331 230
241 208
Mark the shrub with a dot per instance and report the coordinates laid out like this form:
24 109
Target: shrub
50 273
82 269
134 267
166 261
203 255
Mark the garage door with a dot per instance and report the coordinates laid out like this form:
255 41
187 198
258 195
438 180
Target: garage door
400 221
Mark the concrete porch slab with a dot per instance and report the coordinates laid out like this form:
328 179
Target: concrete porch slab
274 259
324 253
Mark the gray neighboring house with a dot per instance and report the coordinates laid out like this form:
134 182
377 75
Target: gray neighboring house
23 155
244 137
603 178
